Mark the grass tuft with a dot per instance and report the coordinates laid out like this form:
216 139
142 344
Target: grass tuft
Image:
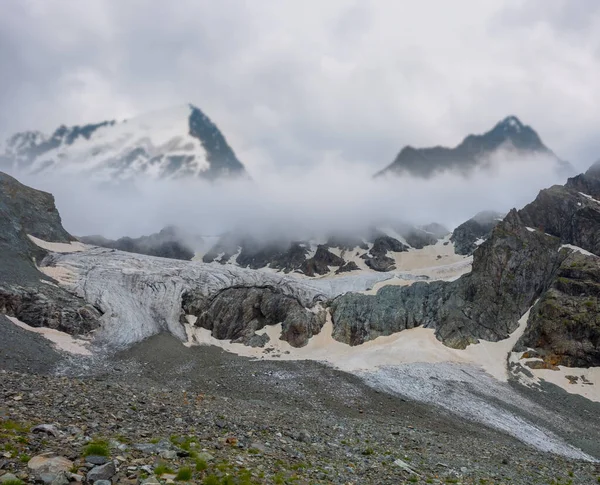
97 448
184 474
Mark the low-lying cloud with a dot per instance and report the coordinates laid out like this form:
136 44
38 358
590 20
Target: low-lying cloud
333 196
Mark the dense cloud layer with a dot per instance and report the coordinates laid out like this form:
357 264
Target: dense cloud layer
334 195
293 82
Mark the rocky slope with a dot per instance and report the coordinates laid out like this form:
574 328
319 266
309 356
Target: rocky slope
25 292
517 139
524 259
473 232
175 143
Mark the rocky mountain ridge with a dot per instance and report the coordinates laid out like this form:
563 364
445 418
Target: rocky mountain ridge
181 142
516 139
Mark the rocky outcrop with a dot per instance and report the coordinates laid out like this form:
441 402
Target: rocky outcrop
25 293
23 211
170 242
377 258
567 213
470 234
321 262
237 313
48 306
511 270
564 326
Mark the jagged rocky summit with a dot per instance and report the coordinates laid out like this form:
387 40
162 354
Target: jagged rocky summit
519 141
181 142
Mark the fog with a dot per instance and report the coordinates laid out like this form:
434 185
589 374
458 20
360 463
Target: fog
334 195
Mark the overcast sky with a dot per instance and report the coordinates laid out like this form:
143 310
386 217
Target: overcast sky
297 82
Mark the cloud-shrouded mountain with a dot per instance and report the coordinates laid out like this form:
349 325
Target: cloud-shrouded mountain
518 141
173 143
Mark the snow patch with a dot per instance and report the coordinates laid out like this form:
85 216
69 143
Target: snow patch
61 340
577 249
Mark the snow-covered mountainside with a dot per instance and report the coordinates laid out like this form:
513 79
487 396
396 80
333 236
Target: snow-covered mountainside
172 143
518 142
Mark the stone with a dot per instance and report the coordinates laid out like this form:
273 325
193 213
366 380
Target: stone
206 456
8 477
49 463
168 454
151 481
96 460
102 472
61 479
49 429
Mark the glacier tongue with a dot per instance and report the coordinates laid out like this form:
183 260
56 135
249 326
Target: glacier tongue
141 295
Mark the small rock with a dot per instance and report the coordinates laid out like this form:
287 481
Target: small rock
103 482
96 459
8 477
304 436
49 463
168 454
102 472
151 481
49 429
61 479
206 456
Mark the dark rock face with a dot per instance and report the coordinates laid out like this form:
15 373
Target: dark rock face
478 227
321 261
223 161
237 313
564 212
348 267
377 258
509 272
50 307
588 182
473 151
564 326
168 243
24 211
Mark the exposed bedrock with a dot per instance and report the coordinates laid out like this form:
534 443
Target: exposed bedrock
566 214
321 261
377 258
479 227
237 313
564 326
48 306
510 271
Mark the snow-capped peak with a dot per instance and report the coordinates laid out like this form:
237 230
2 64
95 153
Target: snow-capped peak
170 143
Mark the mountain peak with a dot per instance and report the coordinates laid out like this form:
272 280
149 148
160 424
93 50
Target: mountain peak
178 142
509 134
511 123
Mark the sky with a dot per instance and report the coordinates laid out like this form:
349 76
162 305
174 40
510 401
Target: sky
296 83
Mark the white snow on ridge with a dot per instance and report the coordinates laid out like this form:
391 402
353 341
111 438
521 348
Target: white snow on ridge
577 249
164 132
589 197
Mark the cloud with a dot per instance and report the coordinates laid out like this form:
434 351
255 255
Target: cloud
333 195
291 82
